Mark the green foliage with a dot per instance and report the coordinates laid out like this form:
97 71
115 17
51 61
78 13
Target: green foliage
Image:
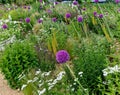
91 60
19 2
65 9
46 58
111 84
18 14
17 58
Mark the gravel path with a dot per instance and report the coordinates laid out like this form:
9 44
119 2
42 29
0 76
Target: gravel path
5 89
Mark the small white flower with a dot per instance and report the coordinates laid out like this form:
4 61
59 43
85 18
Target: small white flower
41 92
29 81
37 72
73 89
40 84
23 86
35 79
80 73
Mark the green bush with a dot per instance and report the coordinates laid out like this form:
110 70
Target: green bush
17 58
18 14
90 58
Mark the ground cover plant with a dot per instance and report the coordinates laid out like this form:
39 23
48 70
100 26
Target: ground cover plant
61 48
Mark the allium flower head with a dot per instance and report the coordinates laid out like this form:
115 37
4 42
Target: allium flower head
4 26
41 7
96 1
100 15
55 3
67 15
49 11
40 20
83 9
54 19
62 56
80 19
24 7
28 7
40 1
117 1
75 2
27 20
95 13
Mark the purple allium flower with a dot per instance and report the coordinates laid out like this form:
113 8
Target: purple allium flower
49 11
62 56
75 2
67 15
96 1
83 9
100 15
55 3
4 26
40 1
117 1
28 7
24 7
80 19
40 20
27 20
54 19
41 7
95 13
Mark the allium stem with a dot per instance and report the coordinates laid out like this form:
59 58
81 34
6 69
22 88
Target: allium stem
104 19
75 29
80 86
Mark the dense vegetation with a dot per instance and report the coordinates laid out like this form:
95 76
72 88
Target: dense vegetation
56 48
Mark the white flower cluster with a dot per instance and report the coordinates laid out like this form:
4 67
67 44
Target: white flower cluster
80 74
51 85
51 82
2 21
110 70
6 42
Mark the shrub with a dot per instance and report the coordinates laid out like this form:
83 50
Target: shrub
90 58
17 58
18 14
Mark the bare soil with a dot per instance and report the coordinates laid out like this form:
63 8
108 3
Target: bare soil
5 89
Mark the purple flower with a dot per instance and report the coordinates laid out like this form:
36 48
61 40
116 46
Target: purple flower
24 7
40 20
83 9
41 7
49 11
75 2
40 1
117 1
62 56
80 19
54 19
100 15
95 13
96 1
55 3
27 20
67 15
4 26
28 7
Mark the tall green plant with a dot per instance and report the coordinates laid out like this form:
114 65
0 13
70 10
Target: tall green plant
17 58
